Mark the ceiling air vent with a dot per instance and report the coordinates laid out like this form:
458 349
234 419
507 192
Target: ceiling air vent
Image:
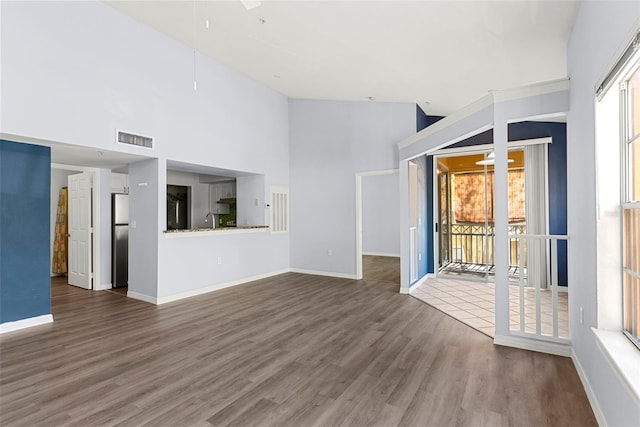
137 140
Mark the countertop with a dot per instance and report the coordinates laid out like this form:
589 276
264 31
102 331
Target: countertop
192 232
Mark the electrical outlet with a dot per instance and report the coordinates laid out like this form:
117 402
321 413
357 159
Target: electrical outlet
581 316
329 252
219 260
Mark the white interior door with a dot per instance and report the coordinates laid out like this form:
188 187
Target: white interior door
80 230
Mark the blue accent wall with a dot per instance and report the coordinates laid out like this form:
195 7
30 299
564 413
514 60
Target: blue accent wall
429 220
423 121
25 180
557 160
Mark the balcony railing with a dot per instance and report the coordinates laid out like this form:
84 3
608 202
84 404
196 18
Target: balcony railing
472 244
540 303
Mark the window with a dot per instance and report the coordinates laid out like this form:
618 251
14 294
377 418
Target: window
630 126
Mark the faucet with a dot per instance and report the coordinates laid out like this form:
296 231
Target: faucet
213 219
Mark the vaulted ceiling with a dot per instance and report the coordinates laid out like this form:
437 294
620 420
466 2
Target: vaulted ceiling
440 54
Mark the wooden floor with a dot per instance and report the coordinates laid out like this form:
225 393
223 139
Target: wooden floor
292 350
381 269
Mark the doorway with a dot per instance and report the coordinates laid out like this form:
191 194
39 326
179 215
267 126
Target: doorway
464 212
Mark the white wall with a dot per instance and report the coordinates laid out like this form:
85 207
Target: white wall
74 72
251 196
144 213
58 180
381 214
330 142
598 33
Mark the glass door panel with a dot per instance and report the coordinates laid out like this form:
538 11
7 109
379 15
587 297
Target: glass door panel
444 212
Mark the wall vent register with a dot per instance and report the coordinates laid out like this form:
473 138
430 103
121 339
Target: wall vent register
132 139
279 210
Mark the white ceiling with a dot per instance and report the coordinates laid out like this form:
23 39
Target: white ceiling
446 53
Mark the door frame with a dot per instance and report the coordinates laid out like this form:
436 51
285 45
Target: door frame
95 220
476 149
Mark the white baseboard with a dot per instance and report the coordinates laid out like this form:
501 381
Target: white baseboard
217 287
595 407
418 283
324 273
381 254
102 286
534 345
142 297
25 323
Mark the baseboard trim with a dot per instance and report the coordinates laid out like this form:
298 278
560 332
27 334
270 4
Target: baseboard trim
142 297
533 345
417 283
324 273
381 254
217 287
102 287
591 396
25 323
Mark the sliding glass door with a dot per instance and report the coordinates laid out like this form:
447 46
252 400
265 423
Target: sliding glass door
465 212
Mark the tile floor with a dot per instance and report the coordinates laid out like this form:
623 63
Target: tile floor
472 303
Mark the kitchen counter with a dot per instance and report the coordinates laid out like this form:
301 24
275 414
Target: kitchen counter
197 232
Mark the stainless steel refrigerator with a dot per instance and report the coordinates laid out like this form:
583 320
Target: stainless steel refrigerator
119 240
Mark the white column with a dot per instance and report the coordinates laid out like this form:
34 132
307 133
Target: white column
501 212
404 227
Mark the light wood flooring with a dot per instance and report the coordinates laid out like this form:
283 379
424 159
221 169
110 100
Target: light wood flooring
292 350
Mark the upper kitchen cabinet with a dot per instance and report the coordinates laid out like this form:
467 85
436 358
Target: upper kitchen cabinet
119 183
221 196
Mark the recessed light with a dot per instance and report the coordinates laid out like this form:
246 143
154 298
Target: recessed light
262 21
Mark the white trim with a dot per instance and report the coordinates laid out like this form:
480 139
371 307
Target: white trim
25 323
415 285
487 101
324 273
96 183
75 168
142 297
212 232
593 401
216 287
102 286
359 227
480 148
532 90
380 172
381 254
533 345
623 357
616 58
